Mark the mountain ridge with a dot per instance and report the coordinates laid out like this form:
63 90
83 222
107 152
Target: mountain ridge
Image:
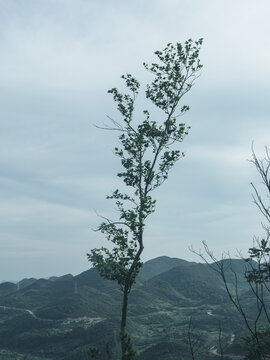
59 317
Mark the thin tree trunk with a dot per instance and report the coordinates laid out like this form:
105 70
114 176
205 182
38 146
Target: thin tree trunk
123 335
123 323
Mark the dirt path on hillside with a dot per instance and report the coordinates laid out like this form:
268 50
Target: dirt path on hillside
18 309
232 356
30 312
213 351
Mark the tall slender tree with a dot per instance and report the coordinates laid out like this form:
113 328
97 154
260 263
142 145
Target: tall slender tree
149 149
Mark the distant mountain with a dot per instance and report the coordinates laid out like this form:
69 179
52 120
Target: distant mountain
25 282
60 317
6 288
64 277
159 265
194 281
92 278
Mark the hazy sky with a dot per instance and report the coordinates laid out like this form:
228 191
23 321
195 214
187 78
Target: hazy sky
58 58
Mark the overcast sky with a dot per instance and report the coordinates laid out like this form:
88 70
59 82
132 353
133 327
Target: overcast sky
58 59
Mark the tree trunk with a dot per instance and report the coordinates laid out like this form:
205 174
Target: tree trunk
123 323
126 346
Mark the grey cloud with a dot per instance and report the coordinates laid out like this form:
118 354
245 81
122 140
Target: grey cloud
58 60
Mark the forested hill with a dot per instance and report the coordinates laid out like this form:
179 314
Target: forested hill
59 317
161 264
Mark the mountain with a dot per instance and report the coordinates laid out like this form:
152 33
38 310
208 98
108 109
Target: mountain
195 281
6 288
25 282
159 265
64 277
58 318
